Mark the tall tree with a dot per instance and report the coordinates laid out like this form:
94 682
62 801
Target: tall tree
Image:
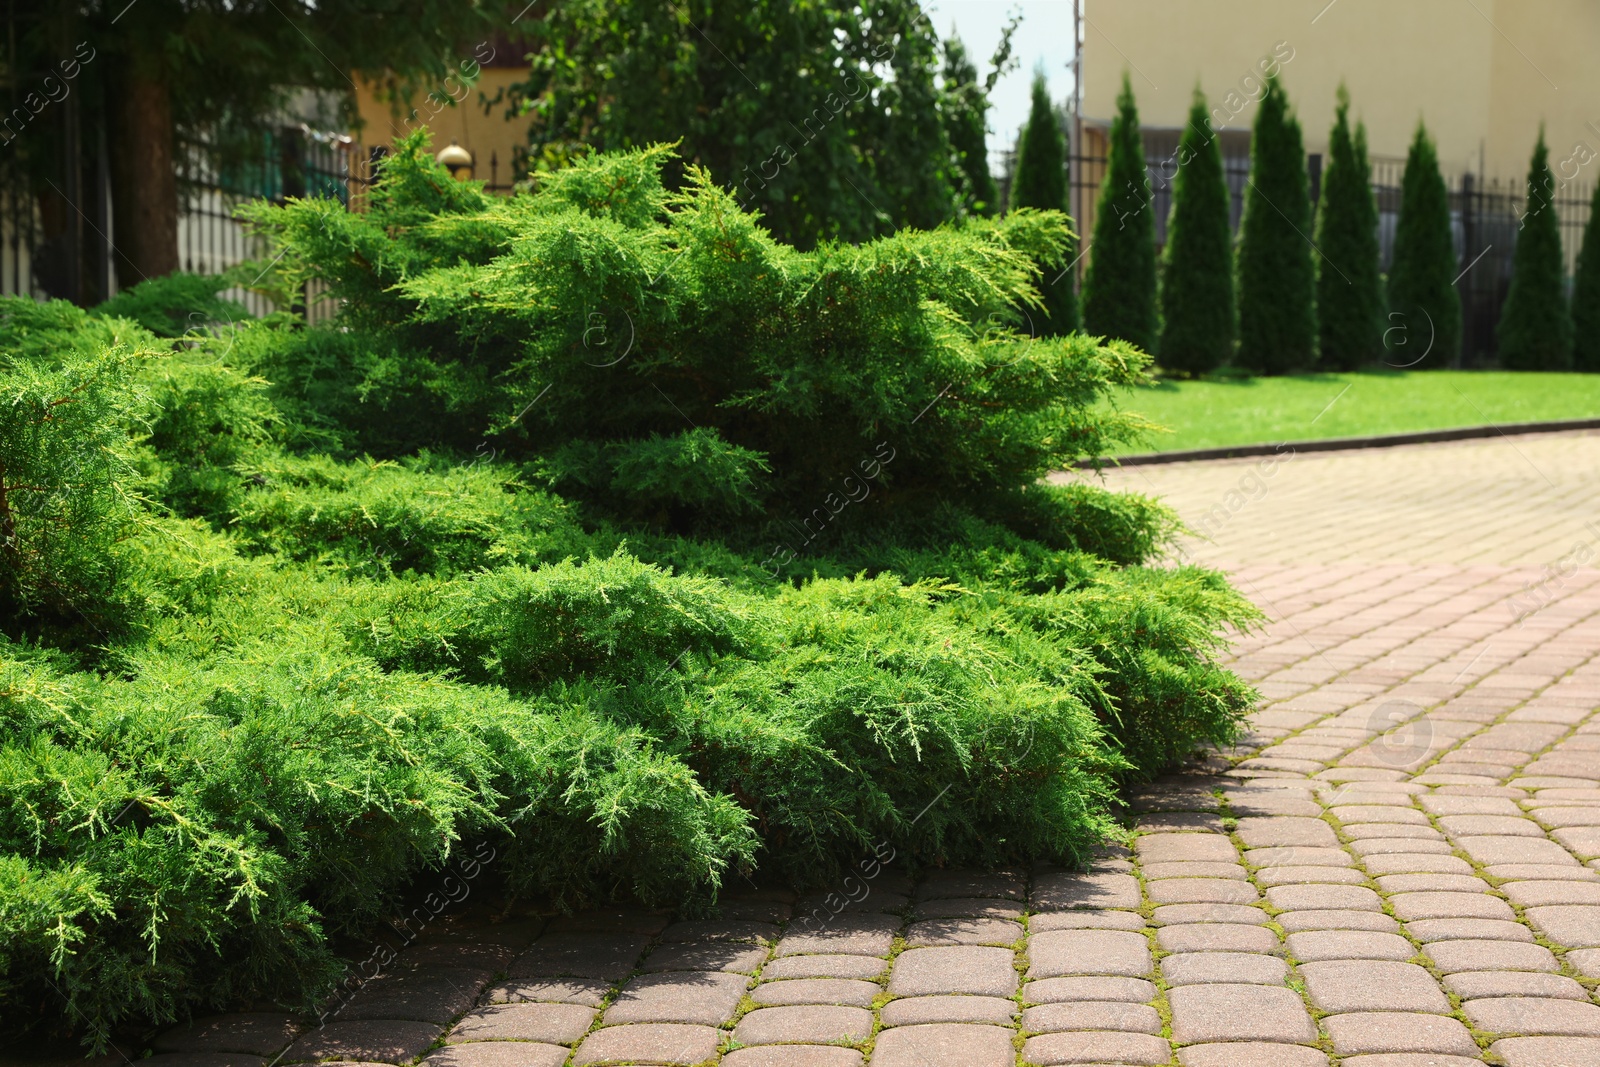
1535 329
1041 182
1349 286
162 79
826 118
1424 329
1586 295
1277 282
1119 288
966 116
1197 314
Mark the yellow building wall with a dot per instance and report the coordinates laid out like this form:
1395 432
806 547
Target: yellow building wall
489 137
1480 73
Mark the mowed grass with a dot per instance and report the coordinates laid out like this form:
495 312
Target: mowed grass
1215 413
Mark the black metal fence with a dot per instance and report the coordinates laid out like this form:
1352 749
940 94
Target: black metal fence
1485 217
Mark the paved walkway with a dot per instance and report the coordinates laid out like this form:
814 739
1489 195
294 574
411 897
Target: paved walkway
1395 870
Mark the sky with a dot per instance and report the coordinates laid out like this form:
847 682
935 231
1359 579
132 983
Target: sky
1045 37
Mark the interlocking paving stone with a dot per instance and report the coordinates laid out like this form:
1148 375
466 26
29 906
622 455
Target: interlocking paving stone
579 955
1398 1031
1298 856
1092 1015
1427 930
1049 1050
744 959
206 1059
1271 876
1382 846
498 1054
1432 883
373 1041
1195 869
588 991
1012 885
1085 920
1416 863
1252 1054
963 932
969 907
1323 897
793 1056
982 971
1285 831
1315 946
1548 1051
1372 985
1470 985
1175 821
1574 926
554 1024
1093 890
1454 956
1238 1013
1172 848
1191 968
1409 906
1534 1015
1172 914
648 1043
698 930
1088 987
914 1011
847 991
705 997
1535 894
258 1033
856 935
1064 952
1200 891
1208 937
1317 919
430 996
937 1043
811 1025
1492 850
825 966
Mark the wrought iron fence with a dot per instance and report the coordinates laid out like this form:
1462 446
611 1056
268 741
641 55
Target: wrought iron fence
1485 216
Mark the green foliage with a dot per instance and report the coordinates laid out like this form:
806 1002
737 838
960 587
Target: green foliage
176 305
826 118
65 472
572 319
1349 289
1119 288
1586 295
1535 331
966 125
334 672
1424 307
1197 312
1277 282
1041 182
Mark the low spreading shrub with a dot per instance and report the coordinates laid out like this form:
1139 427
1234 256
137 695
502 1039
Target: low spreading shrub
327 608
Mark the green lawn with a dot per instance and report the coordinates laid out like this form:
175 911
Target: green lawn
1214 413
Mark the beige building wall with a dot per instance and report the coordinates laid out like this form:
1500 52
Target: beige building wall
452 112
1481 73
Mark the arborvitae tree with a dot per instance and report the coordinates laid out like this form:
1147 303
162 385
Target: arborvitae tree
1119 290
965 119
1586 295
1277 283
1349 288
1041 182
1535 327
1424 328
1197 317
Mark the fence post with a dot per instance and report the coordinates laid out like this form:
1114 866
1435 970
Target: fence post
292 161
1469 301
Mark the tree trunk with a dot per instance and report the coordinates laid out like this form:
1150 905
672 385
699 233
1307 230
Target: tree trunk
144 189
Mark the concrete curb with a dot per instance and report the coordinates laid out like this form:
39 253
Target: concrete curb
1340 444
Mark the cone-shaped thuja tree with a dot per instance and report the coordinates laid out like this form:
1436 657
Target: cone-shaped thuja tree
1041 182
1119 289
1535 327
1586 295
1277 283
1197 322
1424 322
1349 289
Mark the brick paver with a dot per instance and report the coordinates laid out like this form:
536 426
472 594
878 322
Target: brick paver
1399 865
